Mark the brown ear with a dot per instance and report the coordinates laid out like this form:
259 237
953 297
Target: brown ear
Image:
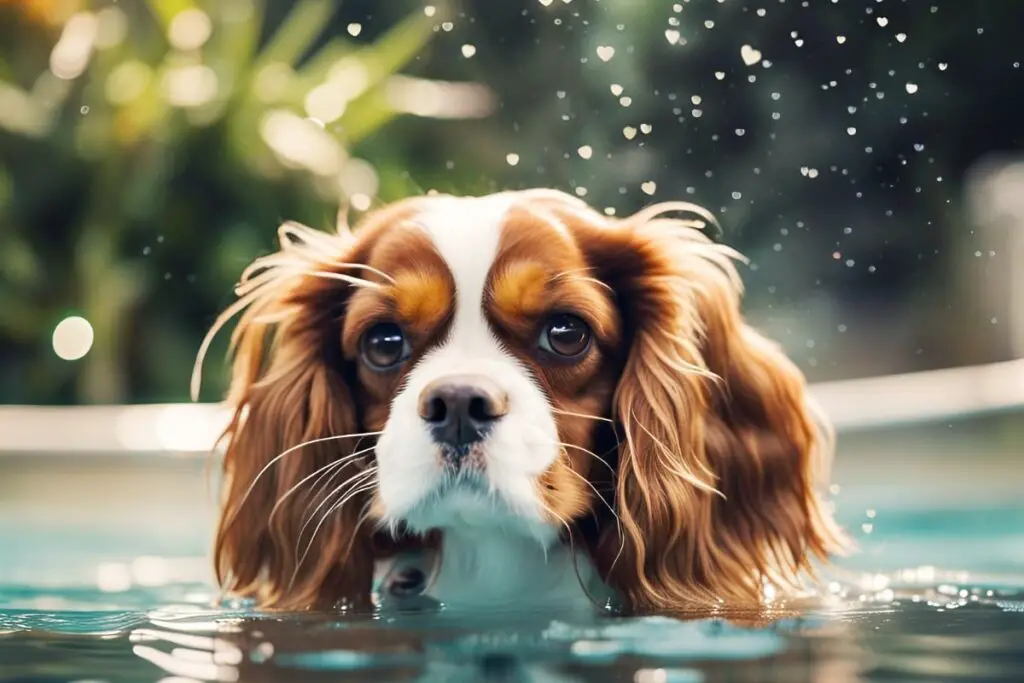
295 487
720 454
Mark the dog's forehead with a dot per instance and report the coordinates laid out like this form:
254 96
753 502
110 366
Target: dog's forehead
473 234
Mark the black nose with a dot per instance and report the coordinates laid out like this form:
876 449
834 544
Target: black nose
460 411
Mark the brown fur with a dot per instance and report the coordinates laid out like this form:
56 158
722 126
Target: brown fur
691 457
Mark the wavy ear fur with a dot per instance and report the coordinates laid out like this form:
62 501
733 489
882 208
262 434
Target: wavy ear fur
292 444
721 453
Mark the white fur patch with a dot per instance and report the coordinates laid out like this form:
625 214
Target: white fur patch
508 519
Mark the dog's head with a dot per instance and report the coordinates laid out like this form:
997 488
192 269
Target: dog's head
521 364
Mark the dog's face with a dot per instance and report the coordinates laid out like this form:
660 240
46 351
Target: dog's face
487 361
515 363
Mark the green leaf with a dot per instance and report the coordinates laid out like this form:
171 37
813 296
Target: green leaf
398 46
166 10
302 26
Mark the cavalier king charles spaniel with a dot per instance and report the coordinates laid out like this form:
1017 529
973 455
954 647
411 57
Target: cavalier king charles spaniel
553 406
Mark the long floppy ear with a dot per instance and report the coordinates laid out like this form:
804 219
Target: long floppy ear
295 484
721 453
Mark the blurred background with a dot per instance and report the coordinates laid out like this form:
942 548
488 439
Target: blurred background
863 154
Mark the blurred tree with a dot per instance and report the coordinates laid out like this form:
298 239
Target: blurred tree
154 158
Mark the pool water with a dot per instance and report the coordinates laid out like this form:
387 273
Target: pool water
935 594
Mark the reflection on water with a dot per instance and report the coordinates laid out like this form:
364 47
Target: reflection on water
894 630
91 613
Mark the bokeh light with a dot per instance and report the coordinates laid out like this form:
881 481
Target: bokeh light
72 338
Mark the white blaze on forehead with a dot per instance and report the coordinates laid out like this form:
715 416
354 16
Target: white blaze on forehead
466 232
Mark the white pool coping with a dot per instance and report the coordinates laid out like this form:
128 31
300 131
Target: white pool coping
853 405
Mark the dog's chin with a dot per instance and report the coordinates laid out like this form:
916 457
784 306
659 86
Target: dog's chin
464 500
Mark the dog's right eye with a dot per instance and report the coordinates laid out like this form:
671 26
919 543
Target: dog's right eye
384 347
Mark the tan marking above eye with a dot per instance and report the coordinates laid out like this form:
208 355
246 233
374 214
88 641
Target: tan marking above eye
422 298
520 289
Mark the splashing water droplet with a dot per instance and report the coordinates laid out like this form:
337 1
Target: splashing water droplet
749 55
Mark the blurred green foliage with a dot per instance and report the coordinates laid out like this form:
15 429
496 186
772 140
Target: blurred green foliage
151 148
834 148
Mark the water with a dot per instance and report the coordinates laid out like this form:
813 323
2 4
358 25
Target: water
936 594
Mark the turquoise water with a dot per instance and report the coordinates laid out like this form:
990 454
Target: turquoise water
936 594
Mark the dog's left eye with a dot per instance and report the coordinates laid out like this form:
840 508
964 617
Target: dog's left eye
384 346
565 336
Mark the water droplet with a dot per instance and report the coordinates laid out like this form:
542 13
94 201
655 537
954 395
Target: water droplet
649 187
918 147
737 195
672 36
629 132
447 26
430 10
851 131
585 152
696 99
901 37
709 24
355 29
911 88
468 50
645 128
512 158
720 75
605 52
616 89
840 39
546 3
749 55
799 42
882 21
84 110
625 101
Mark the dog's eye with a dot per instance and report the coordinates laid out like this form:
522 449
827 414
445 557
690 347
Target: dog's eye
566 336
384 346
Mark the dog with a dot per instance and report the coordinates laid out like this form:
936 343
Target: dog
540 405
